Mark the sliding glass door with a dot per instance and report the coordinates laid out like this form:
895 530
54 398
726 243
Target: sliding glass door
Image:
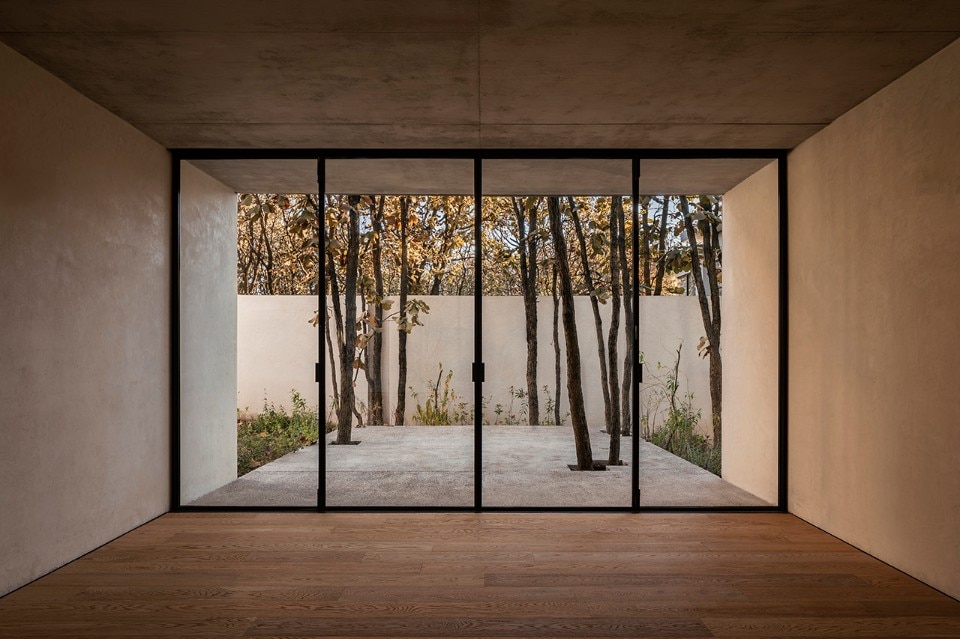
557 329
708 300
398 327
478 329
249 406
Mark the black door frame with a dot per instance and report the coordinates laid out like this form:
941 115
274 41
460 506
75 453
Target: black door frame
636 156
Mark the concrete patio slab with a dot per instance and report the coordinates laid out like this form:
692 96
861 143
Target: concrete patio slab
433 466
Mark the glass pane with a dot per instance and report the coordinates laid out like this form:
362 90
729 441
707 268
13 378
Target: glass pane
249 409
399 278
556 253
708 270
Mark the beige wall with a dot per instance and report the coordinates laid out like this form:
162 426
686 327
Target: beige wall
84 364
208 333
664 323
750 335
874 236
277 348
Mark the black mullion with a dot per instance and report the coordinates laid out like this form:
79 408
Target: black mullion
179 154
487 509
322 348
478 372
783 336
175 332
466 154
637 368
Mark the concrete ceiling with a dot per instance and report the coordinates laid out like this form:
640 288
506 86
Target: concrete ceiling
490 73
500 177
689 177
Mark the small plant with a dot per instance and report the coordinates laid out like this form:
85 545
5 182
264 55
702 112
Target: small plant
508 414
677 434
521 415
550 406
274 433
442 406
511 414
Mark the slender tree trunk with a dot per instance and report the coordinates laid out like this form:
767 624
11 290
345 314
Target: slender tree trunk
597 321
375 367
360 327
245 256
711 241
333 365
645 243
630 308
348 351
708 231
581 432
532 268
711 317
257 261
614 332
336 301
268 247
398 416
556 349
662 246
528 285
363 327
335 354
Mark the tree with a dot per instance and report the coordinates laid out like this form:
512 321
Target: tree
526 214
629 313
376 219
348 347
645 244
594 293
374 367
272 258
661 246
705 219
556 344
613 427
578 416
398 416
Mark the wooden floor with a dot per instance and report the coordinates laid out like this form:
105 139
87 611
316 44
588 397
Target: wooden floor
466 575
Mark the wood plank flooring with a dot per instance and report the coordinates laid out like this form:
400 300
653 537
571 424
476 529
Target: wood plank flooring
470 575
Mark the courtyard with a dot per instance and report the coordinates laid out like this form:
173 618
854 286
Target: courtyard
523 466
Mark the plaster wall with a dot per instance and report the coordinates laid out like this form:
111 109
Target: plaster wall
84 324
749 312
277 349
874 230
665 322
208 339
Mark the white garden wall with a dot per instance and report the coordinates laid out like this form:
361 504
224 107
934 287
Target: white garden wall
277 349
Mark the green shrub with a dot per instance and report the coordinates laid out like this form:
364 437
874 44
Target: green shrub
678 435
274 433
